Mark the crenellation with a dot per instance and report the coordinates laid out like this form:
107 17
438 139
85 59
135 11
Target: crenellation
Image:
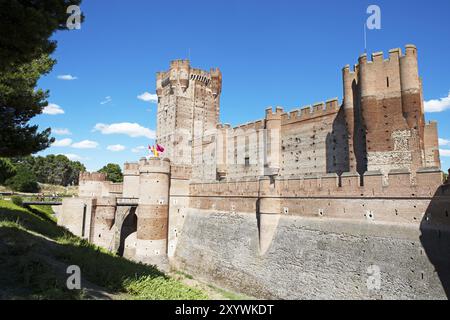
305 112
378 57
370 161
332 104
318 107
362 60
92 176
395 54
411 50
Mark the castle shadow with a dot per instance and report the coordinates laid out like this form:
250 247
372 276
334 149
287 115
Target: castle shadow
435 235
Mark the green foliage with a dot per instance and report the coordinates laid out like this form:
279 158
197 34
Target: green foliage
113 172
45 212
23 181
27 26
17 200
25 48
9 212
26 272
39 279
446 176
52 169
155 288
19 102
7 170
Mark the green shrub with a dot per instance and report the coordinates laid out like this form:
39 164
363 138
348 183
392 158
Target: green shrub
18 201
7 170
113 172
23 181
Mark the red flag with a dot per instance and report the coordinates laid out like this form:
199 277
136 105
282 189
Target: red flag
159 148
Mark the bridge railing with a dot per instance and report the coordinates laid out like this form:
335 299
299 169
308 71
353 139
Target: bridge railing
127 201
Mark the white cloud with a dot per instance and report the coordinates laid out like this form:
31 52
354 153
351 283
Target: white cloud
116 148
133 130
138 149
444 152
444 142
148 97
107 100
67 77
73 157
53 109
438 105
62 143
62 132
85 144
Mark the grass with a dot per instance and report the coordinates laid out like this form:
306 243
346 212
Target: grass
184 274
50 189
34 254
230 295
60 190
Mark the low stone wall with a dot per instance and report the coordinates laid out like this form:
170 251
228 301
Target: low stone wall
314 258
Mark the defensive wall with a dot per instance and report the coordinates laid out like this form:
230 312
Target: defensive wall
334 200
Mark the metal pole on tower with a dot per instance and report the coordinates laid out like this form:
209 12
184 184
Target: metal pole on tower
365 38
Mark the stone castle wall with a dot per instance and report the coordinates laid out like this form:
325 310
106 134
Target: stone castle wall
314 258
379 125
301 204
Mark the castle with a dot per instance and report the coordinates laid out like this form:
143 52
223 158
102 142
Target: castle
296 205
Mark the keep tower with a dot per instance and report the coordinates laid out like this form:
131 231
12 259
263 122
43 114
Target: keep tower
188 111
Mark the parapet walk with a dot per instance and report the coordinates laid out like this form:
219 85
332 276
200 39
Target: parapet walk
145 224
288 169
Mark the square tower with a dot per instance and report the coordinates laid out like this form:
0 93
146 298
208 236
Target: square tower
384 110
188 111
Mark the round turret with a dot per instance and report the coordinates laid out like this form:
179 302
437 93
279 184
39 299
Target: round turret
409 69
104 218
153 209
131 180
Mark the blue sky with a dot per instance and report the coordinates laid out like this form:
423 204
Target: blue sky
285 52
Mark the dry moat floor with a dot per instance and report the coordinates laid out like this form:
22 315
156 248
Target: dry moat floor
35 254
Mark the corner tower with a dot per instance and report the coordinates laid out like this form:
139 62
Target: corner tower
384 110
188 110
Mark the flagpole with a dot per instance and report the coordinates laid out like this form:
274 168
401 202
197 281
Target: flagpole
365 39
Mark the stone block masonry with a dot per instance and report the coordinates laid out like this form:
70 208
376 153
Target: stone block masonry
329 201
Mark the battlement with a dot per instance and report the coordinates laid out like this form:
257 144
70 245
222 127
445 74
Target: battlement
161 75
131 165
274 115
215 72
200 75
255 125
432 123
309 112
394 55
131 168
347 70
154 165
92 176
223 126
265 181
398 184
180 63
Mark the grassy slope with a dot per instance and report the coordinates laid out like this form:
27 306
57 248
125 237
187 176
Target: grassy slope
34 254
49 189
